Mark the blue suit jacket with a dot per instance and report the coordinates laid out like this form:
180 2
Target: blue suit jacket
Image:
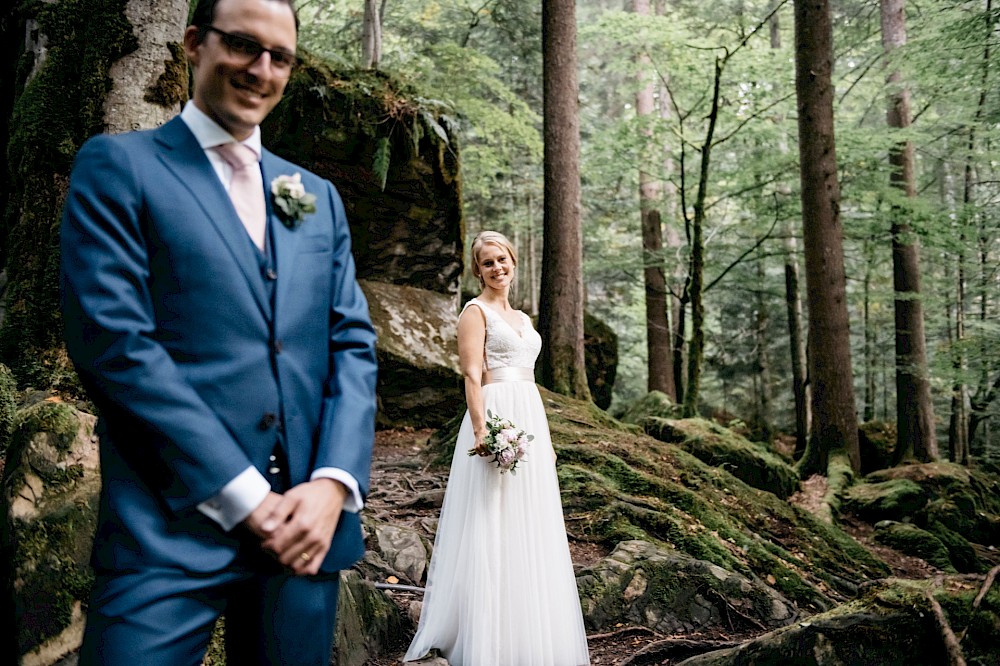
170 328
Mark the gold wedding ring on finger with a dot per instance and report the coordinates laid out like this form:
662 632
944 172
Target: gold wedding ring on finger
305 557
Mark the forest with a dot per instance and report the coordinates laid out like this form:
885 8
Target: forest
783 215
689 109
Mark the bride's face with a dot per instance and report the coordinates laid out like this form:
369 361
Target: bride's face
496 267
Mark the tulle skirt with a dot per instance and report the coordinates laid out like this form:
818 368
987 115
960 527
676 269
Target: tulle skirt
500 586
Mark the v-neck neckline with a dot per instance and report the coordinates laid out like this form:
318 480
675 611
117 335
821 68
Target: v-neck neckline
519 334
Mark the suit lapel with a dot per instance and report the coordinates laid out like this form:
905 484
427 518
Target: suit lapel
188 162
286 241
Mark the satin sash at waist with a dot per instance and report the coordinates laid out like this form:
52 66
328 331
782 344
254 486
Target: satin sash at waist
508 375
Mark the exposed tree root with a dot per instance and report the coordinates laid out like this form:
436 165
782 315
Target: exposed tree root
657 651
987 584
632 629
955 656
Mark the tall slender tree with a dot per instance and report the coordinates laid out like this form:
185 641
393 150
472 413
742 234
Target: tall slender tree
659 361
914 410
793 296
560 316
835 423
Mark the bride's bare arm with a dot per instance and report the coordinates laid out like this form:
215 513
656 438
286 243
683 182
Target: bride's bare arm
471 346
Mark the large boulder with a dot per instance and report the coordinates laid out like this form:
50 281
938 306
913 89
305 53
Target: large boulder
892 624
394 159
672 593
50 487
956 506
751 462
418 380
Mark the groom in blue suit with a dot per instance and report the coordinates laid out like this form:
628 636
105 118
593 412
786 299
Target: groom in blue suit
232 361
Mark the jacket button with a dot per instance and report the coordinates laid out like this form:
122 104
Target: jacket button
277 346
267 421
271 274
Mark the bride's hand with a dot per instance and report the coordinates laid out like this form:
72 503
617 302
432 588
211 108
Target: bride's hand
480 447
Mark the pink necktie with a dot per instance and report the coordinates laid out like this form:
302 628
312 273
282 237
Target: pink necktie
246 189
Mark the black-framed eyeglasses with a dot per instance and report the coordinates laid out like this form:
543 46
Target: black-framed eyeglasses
250 50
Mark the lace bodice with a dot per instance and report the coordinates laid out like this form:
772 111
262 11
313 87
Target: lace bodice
505 347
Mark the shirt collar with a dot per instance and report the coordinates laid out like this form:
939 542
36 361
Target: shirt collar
210 134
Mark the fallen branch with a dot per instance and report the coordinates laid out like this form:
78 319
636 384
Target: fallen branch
632 629
654 653
955 657
987 584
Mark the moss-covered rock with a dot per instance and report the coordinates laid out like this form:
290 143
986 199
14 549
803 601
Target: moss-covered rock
654 403
50 487
418 380
751 462
910 539
394 158
960 552
369 623
876 442
671 593
890 625
965 499
894 499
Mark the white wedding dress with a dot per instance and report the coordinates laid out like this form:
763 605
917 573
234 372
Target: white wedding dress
501 590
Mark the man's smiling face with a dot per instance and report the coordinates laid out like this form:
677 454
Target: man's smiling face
236 94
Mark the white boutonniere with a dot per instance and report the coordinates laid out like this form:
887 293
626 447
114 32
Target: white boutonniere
291 200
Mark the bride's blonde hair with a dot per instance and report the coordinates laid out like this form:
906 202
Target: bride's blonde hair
495 238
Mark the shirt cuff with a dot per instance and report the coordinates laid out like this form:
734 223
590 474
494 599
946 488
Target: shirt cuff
237 499
353 503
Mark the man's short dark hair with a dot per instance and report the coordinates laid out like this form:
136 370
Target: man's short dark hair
204 14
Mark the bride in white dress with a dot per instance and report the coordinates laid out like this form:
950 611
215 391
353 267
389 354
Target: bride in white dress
500 587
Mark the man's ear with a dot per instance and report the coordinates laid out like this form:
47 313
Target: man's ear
192 40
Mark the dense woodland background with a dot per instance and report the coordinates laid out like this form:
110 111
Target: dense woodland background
689 109
786 212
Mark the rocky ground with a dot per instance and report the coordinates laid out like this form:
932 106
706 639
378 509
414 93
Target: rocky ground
407 490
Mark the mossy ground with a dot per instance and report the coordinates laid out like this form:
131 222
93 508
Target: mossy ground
618 484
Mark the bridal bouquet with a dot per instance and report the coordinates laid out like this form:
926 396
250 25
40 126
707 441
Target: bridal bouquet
506 442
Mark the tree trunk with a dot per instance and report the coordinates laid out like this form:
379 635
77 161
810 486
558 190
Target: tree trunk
371 36
696 349
914 410
976 402
659 362
561 308
763 360
834 424
793 302
73 51
869 333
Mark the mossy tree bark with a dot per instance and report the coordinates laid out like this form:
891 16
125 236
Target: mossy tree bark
561 308
914 409
834 424
83 70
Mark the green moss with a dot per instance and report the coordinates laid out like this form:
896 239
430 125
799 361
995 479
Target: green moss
54 113
8 406
654 403
886 500
171 87
960 552
914 541
51 567
751 462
